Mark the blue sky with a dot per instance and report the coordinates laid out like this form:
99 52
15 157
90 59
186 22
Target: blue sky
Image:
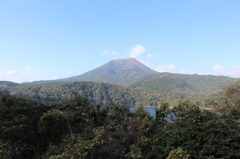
50 39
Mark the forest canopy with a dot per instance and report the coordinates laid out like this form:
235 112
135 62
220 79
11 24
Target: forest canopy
76 128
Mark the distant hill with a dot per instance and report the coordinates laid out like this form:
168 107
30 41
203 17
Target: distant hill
120 72
8 84
177 87
169 82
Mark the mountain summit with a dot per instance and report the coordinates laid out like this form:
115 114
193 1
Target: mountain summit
120 71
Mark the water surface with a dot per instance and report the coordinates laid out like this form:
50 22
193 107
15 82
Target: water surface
151 110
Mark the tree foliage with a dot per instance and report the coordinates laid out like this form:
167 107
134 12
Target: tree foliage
228 99
97 93
75 128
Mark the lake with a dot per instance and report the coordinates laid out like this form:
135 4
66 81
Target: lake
151 110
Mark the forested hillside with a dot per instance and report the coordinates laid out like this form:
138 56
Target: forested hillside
178 87
98 93
165 87
169 82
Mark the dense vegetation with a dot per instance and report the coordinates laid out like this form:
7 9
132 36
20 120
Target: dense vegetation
177 87
97 93
150 90
169 82
76 128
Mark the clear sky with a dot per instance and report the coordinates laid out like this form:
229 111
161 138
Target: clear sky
51 39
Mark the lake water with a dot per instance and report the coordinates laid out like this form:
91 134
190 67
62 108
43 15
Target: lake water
151 110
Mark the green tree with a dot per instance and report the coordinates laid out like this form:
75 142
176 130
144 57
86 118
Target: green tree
228 99
19 126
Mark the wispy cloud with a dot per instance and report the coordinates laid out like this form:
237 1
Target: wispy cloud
54 77
113 52
137 50
109 52
27 74
233 71
8 76
28 69
11 73
151 55
169 68
149 64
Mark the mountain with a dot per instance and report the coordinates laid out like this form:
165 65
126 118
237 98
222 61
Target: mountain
120 72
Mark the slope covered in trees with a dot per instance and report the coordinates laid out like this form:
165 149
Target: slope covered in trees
162 88
75 128
98 93
168 82
177 87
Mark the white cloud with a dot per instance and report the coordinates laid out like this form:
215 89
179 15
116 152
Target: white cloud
54 77
28 69
149 55
113 52
145 63
137 50
8 76
233 71
169 68
26 74
108 52
12 72
104 52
